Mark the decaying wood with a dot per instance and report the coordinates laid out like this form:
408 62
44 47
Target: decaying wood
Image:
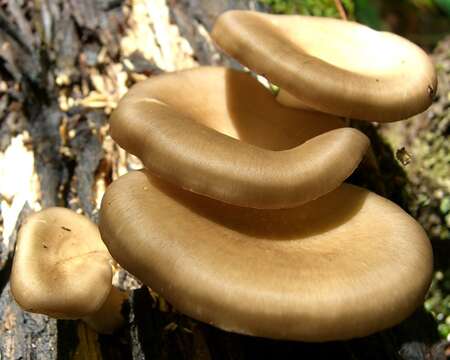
195 19
63 67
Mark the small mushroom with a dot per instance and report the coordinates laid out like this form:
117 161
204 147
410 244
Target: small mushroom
62 268
221 134
345 265
330 65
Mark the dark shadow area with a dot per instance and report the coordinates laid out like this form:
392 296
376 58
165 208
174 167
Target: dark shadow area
67 339
152 335
5 272
117 346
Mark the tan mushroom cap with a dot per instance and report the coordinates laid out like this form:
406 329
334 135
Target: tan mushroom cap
61 266
221 134
334 66
343 266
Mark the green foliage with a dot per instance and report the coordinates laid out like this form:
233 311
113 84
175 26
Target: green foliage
364 11
438 302
367 12
310 7
444 5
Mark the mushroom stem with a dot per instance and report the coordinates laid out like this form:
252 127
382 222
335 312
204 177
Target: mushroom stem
109 317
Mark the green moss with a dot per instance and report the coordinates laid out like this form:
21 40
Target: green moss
310 7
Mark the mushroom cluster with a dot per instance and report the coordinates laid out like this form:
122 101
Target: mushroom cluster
240 217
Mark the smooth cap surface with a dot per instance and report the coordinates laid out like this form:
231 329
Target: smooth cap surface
343 266
221 134
334 66
61 266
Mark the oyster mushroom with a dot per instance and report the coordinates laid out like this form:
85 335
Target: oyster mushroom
345 265
62 269
219 133
330 65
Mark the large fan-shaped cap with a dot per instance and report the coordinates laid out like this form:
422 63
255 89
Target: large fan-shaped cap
330 65
221 134
343 266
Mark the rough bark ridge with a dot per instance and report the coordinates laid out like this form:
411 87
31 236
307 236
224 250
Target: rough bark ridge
63 66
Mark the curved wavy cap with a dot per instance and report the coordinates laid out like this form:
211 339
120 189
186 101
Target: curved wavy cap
330 65
221 134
